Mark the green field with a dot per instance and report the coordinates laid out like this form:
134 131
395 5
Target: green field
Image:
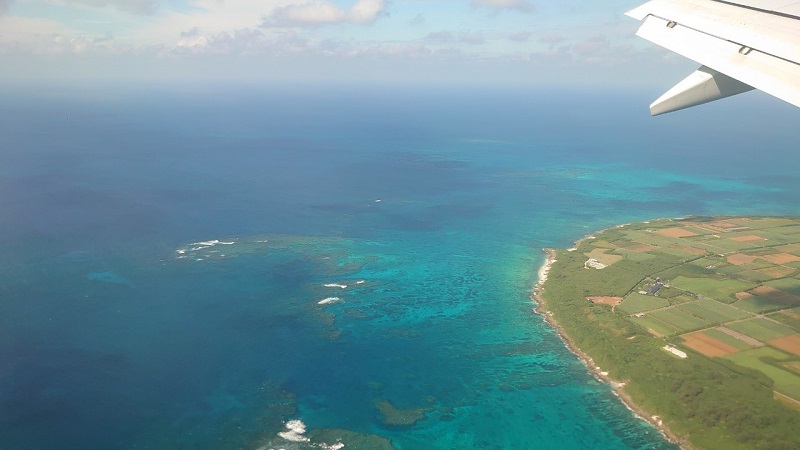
707 261
728 339
681 320
636 303
760 328
695 309
716 245
722 308
790 285
660 327
789 230
759 304
721 290
766 360
789 317
752 276
632 255
777 224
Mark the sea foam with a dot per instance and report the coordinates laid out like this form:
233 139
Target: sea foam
294 431
213 243
329 300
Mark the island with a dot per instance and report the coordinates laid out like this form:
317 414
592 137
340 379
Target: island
694 322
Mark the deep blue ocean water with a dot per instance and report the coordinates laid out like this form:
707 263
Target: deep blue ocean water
164 252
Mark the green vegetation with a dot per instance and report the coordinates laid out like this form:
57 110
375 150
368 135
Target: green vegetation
789 285
656 326
636 303
680 319
759 304
727 339
719 277
762 329
713 311
710 287
768 361
790 317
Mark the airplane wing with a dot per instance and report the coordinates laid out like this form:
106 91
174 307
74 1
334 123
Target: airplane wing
740 44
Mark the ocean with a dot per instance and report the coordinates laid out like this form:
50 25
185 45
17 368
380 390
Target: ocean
294 266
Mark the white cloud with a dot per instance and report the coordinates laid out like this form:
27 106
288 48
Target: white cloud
308 14
318 13
25 32
208 17
517 5
366 11
131 6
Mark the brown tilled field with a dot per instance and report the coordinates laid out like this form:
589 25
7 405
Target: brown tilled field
778 271
676 232
706 345
750 238
789 344
739 259
781 258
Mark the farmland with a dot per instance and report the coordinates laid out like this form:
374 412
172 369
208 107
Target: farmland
723 291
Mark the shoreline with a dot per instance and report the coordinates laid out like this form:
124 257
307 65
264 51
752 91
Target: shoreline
616 386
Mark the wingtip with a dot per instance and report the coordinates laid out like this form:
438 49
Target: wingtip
701 86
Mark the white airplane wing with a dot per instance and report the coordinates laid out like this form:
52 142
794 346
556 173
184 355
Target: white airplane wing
741 44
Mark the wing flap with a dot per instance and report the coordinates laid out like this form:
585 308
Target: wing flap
774 75
767 29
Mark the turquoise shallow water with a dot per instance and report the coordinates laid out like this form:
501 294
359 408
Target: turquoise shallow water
164 253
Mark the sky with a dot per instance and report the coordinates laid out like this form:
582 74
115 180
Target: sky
473 41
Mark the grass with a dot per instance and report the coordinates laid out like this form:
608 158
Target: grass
660 327
633 255
759 304
788 230
762 329
778 223
789 317
714 288
717 245
731 312
682 320
636 303
767 361
714 261
752 276
790 285
704 313
728 339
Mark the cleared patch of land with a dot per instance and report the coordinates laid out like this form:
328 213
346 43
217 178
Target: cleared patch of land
676 232
739 259
789 343
781 258
606 300
636 303
707 345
